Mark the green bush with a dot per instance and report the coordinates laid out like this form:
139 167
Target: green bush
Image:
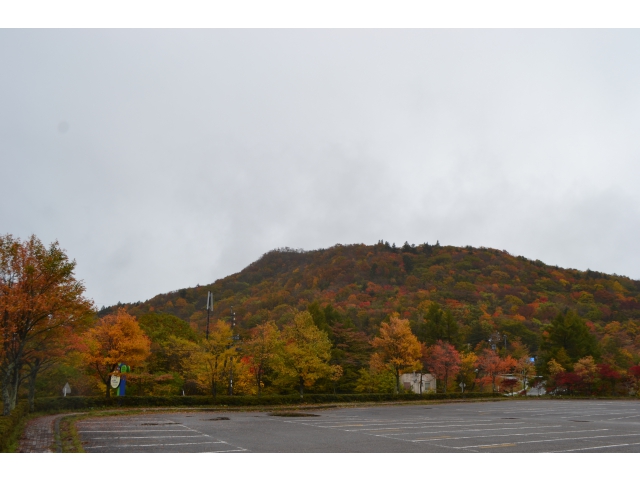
84 403
10 425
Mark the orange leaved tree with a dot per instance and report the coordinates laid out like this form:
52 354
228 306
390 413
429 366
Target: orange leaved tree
491 366
397 348
39 299
116 338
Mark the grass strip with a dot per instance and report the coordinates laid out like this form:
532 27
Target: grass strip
67 437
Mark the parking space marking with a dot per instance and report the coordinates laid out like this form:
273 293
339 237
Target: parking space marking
595 448
466 429
434 424
442 429
228 451
620 418
123 431
502 435
152 436
153 445
377 424
593 414
374 422
183 431
561 439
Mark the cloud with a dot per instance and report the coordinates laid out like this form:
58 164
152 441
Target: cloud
186 154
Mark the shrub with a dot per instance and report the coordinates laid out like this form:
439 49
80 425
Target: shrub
10 425
83 403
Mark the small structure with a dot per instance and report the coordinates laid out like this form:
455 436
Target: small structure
418 382
66 389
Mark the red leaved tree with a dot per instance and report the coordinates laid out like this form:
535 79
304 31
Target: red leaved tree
443 360
569 380
608 373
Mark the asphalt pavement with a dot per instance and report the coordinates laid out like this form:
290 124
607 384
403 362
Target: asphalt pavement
506 426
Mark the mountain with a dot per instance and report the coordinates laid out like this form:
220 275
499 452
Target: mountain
486 291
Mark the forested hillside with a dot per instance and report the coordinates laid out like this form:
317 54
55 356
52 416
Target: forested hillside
486 291
347 319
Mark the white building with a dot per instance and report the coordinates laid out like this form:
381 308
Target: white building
418 382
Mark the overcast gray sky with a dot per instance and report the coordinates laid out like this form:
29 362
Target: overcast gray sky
161 159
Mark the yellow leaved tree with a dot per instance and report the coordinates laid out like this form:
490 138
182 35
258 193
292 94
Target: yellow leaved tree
261 350
397 348
206 361
306 353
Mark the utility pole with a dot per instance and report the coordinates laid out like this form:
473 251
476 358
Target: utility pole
233 338
209 310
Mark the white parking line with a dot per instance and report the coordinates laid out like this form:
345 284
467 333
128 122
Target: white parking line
620 418
464 430
152 445
328 423
365 424
183 429
123 431
555 440
595 448
593 414
228 451
497 435
147 436
440 426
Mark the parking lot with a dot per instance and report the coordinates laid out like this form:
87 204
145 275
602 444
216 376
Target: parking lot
507 426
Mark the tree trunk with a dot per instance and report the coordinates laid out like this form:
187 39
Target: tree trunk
259 379
33 373
397 372
32 392
15 386
301 387
6 393
108 394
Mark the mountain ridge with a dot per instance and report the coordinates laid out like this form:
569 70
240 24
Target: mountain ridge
485 289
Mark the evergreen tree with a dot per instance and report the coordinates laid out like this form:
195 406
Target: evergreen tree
569 332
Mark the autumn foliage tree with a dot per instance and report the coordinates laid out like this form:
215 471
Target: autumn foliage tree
39 298
610 374
306 353
491 366
467 374
261 350
397 348
444 361
587 369
206 360
116 338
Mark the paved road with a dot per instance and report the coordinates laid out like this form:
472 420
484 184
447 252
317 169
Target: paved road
518 426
